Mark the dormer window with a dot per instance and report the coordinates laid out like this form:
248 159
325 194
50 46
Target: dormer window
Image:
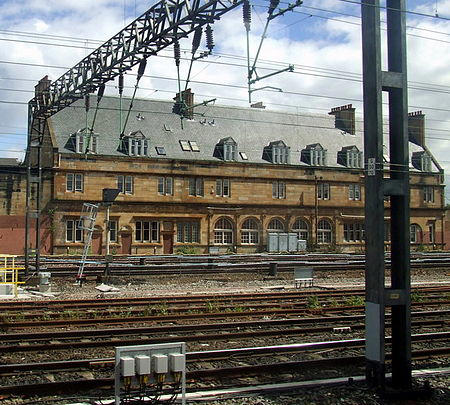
277 152
135 144
350 156
79 142
314 155
83 141
226 149
422 161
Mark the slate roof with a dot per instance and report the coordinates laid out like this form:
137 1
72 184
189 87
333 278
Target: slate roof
252 129
9 162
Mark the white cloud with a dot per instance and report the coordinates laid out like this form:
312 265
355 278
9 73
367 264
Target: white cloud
308 42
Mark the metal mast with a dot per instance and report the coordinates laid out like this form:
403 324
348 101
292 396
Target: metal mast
396 186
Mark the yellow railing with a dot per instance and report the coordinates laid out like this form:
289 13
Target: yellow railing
9 272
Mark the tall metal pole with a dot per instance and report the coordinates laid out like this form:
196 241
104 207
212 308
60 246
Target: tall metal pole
399 159
394 81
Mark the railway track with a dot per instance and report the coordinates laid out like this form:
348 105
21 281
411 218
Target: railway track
128 266
194 376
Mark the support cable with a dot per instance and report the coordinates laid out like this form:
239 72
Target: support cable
140 73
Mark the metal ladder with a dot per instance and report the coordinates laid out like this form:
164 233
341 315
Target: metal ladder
86 223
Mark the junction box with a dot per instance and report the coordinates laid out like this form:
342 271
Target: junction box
153 372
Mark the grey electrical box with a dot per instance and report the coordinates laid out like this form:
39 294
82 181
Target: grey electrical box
272 242
282 242
150 373
292 242
301 245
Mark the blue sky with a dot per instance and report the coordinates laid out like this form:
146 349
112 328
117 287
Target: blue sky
321 38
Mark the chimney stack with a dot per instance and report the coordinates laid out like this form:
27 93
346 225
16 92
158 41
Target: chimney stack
344 118
416 128
40 89
187 102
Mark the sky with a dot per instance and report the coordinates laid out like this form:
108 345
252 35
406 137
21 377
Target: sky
321 38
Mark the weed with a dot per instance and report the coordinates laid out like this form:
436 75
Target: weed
417 297
313 302
187 250
212 306
354 301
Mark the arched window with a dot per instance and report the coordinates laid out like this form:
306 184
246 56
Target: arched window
415 233
275 225
250 232
324 232
223 232
301 227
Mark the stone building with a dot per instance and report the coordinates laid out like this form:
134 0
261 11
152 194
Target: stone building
222 178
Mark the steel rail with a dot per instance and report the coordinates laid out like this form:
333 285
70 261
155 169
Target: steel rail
80 385
142 339
182 315
192 299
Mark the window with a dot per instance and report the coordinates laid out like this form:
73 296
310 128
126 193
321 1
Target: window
350 156
93 144
125 184
74 182
194 146
243 155
160 150
188 232
185 146
354 232
196 187
135 144
324 233
73 231
80 142
113 230
147 231
431 232
415 233
276 152
226 149
223 232
428 194
422 161
301 227
165 185
279 189
223 187
229 152
275 225
314 155
323 191
250 232
354 192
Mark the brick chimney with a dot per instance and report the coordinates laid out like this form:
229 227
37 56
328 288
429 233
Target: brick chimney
185 108
344 118
41 87
416 128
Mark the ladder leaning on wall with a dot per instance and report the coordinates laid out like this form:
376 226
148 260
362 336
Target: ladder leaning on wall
86 224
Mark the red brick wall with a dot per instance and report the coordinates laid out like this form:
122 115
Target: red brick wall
12 235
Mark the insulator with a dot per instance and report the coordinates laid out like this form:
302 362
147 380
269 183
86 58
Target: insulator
101 91
121 84
141 69
209 38
87 102
247 13
273 6
197 38
177 53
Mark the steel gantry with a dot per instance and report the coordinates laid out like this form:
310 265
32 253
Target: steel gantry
159 27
